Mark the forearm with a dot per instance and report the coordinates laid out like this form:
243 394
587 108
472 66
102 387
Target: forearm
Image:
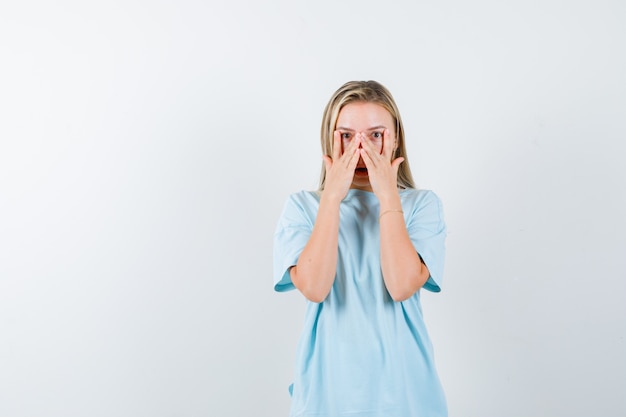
315 271
403 271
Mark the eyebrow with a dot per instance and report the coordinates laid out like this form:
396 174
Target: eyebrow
347 129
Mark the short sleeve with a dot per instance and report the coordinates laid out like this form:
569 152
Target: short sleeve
292 234
427 231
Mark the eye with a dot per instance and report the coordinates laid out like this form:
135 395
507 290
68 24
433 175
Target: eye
377 135
345 135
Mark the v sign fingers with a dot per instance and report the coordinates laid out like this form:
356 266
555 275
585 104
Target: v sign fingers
389 144
337 151
381 170
340 170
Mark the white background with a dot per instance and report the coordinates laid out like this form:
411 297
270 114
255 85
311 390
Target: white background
147 149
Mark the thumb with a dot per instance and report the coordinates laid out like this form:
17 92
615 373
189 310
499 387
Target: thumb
396 163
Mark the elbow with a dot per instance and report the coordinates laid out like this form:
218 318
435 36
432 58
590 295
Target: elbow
400 295
311 292
406 288
315 297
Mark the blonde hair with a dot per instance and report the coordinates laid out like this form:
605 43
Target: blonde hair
364 91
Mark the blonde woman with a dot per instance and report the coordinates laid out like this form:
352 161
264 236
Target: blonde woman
360 249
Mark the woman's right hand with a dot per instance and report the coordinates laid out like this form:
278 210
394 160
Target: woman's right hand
315 272
340 169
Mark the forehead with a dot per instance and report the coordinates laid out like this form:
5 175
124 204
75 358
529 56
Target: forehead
363 115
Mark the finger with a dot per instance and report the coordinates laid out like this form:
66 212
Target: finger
388 144
353 159
328 163
352 148
367 159
396 163
371 150
336 145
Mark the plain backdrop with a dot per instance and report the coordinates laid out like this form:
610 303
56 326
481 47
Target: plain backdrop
147 149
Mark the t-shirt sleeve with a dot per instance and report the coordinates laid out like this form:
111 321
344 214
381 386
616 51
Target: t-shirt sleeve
292 234
427 231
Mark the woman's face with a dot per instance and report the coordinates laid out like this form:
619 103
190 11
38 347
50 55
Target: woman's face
370 119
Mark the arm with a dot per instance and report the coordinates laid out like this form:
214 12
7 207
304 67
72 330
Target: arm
315 271
403 271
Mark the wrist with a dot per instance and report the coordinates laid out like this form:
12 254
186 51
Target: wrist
328 198
383 212
390 202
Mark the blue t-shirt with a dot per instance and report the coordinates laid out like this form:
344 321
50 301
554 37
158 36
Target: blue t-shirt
361 354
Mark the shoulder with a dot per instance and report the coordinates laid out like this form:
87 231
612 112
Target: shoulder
304 197
419 197
300 208
422 204
303 201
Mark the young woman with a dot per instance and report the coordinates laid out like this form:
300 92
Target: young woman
360 249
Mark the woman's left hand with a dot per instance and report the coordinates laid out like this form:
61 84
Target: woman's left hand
381 170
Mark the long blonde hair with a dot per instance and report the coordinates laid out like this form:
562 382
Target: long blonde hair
364 91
